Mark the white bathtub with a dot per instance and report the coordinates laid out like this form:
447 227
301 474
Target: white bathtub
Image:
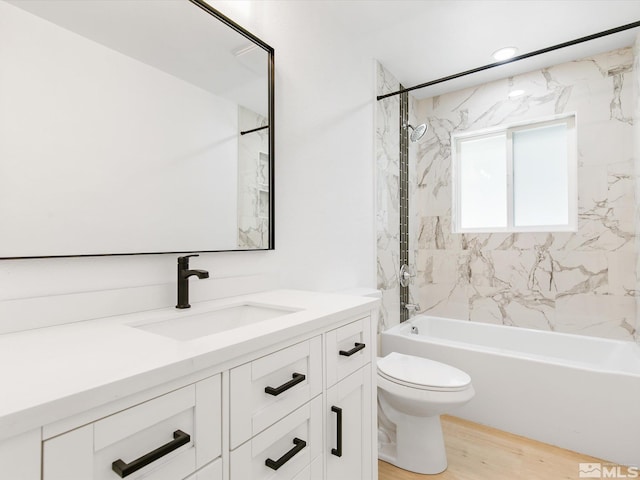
576 392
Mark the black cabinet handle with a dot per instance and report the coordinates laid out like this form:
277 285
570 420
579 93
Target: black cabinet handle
356 349
124 469
297 378
276 464
338 451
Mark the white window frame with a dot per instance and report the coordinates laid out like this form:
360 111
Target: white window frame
570 120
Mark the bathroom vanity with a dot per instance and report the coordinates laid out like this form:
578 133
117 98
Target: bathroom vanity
283 390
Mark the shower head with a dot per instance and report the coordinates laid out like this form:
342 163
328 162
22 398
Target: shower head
418 132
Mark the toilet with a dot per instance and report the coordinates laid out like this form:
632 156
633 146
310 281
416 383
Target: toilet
412 393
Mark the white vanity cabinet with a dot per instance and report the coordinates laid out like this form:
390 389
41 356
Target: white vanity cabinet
166 438
288 400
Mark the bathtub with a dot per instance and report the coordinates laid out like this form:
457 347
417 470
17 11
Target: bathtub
576 392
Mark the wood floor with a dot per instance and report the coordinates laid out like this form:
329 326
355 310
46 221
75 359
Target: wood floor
476 452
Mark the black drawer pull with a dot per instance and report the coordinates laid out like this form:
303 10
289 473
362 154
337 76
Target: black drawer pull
276 464
125 469
338 451
297 378
356 349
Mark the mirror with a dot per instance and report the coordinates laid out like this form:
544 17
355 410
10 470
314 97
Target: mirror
132 127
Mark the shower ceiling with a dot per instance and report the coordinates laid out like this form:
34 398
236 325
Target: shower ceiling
424 40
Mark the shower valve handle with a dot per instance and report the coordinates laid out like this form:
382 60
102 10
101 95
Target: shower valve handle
405 275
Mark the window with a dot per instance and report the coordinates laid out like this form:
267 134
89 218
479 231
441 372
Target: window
518 178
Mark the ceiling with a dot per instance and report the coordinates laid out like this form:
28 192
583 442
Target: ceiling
423 40
417 40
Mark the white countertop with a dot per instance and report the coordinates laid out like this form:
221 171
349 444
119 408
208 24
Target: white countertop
55 372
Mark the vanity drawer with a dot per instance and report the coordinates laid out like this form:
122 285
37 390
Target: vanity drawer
267 389
290 445
182 428
348 349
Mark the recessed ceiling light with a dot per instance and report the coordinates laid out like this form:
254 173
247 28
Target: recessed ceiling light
505 53
516 93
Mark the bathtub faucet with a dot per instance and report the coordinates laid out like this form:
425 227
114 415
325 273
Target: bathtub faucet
411 307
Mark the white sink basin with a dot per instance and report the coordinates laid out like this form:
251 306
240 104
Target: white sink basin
185 326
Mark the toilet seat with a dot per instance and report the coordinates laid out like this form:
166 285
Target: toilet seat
422 373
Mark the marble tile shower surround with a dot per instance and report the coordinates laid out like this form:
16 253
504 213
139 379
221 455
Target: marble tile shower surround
580 282
387 200
253 181
387 197
414 218
636 149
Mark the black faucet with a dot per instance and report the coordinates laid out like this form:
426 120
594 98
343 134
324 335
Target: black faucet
183 280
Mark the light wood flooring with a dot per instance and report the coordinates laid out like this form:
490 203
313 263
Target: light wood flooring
476 452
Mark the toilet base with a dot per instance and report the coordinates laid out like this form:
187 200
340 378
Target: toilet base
419 447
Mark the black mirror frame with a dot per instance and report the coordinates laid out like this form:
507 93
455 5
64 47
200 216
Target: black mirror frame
271 119
271 123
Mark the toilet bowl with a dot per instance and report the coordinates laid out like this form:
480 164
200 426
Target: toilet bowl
412 393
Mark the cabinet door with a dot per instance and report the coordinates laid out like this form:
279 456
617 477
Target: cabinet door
349 440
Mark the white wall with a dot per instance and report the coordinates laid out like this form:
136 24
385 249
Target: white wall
324 144
325 236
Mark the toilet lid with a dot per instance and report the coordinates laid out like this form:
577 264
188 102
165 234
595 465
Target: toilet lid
422 373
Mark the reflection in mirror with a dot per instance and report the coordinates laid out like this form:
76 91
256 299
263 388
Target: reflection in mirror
253 180
120 129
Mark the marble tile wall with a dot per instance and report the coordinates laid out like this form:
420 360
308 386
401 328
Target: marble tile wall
387 201
253 181
414 216
636 151
387 197
581 282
